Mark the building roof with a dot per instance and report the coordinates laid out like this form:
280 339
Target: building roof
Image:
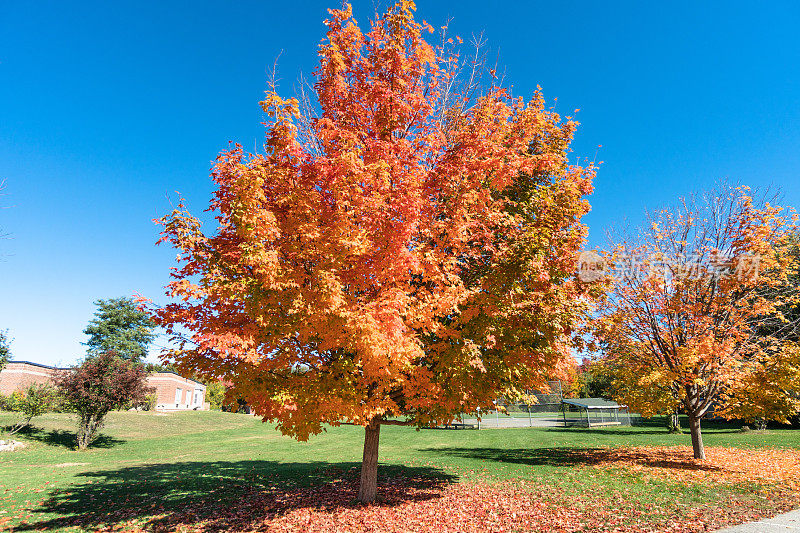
40 365
592 403
176 374
37 364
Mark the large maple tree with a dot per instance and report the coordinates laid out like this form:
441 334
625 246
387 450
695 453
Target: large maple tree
402 251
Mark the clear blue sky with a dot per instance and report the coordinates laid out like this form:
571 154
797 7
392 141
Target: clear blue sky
106 109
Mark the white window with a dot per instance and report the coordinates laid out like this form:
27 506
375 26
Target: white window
178 396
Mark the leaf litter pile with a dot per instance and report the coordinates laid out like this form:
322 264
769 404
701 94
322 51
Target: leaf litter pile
749 484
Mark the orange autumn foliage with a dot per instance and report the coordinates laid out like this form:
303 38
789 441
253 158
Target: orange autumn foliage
685 324
406 252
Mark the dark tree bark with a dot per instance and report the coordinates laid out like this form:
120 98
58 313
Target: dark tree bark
697 436
368 489
89 429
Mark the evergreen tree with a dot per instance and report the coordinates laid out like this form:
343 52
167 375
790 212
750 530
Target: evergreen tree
120 327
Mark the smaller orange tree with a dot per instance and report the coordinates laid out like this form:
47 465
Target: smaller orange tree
683 324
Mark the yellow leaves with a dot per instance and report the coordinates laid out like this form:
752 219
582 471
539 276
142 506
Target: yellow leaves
767 386
473 353
277 107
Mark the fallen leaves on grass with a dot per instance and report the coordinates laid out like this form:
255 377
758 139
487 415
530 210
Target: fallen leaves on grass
516 506
752 484
722 465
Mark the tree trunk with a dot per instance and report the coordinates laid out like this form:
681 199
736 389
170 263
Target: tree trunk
674 423
20 425
697 437
368 489
84 432
89 427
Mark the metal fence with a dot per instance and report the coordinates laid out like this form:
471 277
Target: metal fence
533 409
547 409
593 416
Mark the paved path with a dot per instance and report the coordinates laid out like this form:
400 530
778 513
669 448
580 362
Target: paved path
490 421
784 523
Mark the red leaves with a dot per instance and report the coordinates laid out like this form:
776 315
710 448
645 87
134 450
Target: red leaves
101 383
515 506
722 465
528 506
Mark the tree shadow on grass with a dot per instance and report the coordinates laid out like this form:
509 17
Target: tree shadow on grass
577 457
222 495
64 438
652 426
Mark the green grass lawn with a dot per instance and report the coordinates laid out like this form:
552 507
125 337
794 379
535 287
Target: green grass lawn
148 465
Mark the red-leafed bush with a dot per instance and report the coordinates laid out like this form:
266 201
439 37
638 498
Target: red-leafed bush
99 385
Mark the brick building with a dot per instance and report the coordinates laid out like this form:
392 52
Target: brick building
173 392
19 375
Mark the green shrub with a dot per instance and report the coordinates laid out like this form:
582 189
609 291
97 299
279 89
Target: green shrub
149 403
38 399
61 403
12 402
16 400
215 394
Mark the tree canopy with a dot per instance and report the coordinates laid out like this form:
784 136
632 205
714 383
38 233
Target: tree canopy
684 321
402 251
99 385
119 326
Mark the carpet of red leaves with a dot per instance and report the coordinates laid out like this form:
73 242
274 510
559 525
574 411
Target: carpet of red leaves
408 504
525 506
